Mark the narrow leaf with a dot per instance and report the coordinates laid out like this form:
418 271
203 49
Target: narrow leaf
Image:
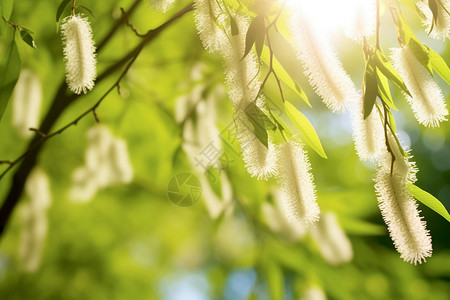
234 26
259 42
10 69
421 53
6 7
370 91
252 33
429 200
61 8
385 67
86 9
306 130
412 6
286 80
26 36
260 123
384 92
439 65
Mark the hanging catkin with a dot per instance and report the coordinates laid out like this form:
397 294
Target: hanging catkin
297 183
323 68
79 54
427 100
398 207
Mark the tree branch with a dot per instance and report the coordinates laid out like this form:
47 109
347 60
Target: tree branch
61 101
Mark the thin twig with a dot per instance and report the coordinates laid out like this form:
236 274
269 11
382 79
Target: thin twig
127 21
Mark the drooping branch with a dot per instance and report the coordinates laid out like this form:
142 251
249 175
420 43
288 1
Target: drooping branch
61 102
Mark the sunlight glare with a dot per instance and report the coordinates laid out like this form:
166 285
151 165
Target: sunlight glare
330 15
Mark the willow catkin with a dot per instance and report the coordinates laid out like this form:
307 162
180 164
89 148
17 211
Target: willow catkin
34 220
260 161
162 5
362 22
333 243
106 163
367 133
322 66
243 89
79 53
427 100
210 22
297 184
398 207
441 28
27 103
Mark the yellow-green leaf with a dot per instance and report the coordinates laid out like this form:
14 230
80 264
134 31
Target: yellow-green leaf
429 200
307 133
439 65
9 69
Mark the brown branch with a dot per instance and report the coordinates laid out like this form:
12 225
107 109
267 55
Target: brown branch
117 25
60 103
127 22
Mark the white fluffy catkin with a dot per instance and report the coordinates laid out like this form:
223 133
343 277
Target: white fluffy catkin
79 53
34 220
209 18
333 243
106 163
162 5
323 68
260 161
362 22
27 103
297 183
441 29
243 87
399 209
368 134
427 102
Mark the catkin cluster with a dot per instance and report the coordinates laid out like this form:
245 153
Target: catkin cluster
289 162
106 163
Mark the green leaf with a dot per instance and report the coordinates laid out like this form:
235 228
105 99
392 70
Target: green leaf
6 7
412 6
434 9
26 36
403 30
234 26
392 121
260 123
385 67
287 57
61 8
421 53
286 80
370 89
429 200
259 42
255 28
384 92
10 69
439 65
306 130
86 9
